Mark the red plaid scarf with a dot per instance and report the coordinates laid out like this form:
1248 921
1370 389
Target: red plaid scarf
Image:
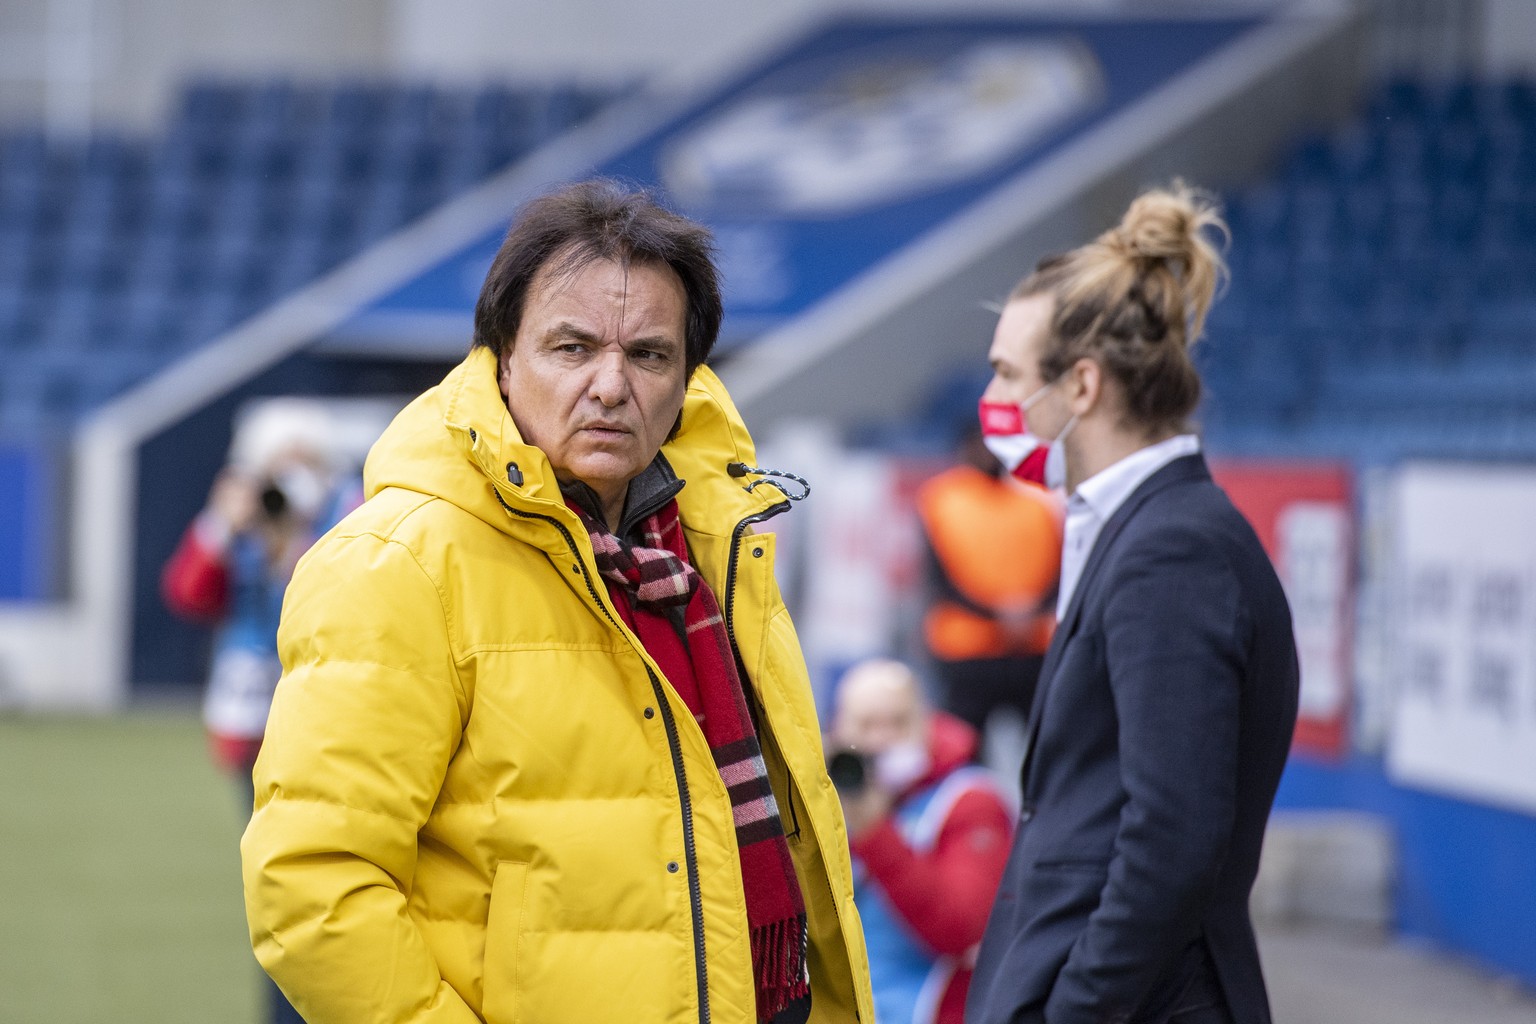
695 655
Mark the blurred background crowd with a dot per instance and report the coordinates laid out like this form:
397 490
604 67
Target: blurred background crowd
235 239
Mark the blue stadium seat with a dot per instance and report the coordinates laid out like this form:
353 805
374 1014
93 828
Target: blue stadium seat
151 322
208 105
280 109
387 210
1357 155
15 244
20 198
24 155
1401 98
1317 225
13 302
1457 212
356 111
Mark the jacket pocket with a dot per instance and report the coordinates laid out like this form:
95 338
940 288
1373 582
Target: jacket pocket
503 935
1083 865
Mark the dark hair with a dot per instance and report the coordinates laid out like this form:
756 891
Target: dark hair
1135 300
599 220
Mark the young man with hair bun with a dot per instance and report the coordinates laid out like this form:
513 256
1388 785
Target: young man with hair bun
1164 710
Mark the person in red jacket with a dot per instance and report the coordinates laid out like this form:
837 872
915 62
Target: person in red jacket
278 493
929 833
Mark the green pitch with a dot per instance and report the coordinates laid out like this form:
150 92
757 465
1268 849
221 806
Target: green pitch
119 876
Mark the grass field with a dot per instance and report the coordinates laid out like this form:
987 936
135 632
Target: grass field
119 876
120 898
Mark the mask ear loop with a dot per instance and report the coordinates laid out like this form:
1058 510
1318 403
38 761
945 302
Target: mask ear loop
741 469
1029 402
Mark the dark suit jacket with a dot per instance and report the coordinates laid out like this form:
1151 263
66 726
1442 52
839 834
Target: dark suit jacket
1160 726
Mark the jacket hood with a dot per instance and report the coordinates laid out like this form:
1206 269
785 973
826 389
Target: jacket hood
457 442
951 745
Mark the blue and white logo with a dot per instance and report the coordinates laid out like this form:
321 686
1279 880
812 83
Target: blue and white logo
879 126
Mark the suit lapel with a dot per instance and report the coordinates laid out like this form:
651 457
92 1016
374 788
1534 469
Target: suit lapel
1184 468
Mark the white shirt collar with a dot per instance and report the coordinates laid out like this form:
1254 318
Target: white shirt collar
1106 490
1097 498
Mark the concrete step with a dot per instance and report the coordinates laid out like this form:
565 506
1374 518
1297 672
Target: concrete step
1326 867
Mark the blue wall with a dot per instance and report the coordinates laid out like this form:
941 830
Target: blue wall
1466 872
29 522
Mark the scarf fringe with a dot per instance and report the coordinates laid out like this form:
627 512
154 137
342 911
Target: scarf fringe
779 963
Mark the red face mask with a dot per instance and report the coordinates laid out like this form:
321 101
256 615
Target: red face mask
1005 431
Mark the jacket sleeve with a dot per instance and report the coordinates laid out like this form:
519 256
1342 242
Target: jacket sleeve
946 893
1174 632
365 720
195 580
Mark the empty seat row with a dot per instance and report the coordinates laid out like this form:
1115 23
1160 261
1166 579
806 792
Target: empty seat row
1454 99
1382 300
139 248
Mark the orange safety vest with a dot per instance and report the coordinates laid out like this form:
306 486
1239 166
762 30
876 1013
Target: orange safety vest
998 543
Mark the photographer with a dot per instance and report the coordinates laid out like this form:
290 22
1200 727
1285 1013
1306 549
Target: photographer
929 833
277 494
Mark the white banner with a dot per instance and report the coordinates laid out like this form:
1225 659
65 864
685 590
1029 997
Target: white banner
1464 626
1312 554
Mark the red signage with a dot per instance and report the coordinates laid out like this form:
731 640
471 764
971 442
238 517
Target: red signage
1303 513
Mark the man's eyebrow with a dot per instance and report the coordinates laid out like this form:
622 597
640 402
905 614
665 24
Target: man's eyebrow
567 329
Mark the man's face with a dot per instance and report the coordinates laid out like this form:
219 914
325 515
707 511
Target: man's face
1017 344
595 376
878 708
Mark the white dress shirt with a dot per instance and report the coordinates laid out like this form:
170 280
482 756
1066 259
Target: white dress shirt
1097 498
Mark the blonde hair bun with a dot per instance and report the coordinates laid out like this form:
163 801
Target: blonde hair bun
1174 226
1135 300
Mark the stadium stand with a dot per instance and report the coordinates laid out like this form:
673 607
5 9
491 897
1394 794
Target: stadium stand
1383 295
1382 301
118 254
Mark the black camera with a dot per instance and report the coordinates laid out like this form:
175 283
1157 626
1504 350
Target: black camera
274 500
849 771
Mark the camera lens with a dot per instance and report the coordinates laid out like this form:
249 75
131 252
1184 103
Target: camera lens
848 771
273 501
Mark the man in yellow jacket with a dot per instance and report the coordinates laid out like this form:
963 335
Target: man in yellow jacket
544 749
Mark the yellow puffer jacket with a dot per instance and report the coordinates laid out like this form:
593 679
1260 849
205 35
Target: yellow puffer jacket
478 798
